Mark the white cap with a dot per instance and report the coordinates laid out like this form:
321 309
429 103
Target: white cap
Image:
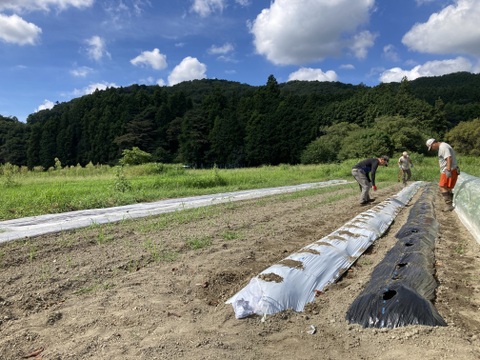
405 153
430 143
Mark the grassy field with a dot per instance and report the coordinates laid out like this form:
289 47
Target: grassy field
29 193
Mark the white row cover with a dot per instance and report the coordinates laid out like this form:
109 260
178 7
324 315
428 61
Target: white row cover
467 202
293 282
50 223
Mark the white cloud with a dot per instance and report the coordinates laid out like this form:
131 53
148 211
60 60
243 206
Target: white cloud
189 69
81 71
120 13
361 43
47 105
430 68
98 86
90 89
15 30
421 2
206 7
390 53
96 48
298 32
347 67
453 30
45 5
148 80
309 74
224 49
152 58
138 6
223 52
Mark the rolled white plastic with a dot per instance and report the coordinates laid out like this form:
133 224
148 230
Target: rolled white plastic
294 281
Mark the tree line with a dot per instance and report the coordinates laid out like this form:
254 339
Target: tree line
229 124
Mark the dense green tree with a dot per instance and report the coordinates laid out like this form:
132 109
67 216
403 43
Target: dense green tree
325 148
405 133
465 137
33 146
13 141
48 145
216 121
258 134
261 126
226 139
197 124
293 130
365 143
193 139
173 138
140 132
135 156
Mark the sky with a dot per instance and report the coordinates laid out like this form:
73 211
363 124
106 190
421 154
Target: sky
52 51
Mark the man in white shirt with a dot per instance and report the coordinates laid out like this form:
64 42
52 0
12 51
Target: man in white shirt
449 171
405 164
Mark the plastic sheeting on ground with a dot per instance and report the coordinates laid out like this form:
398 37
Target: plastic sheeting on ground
467 203
292 283
403 285
45 224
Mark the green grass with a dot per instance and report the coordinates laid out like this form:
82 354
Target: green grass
158 253
30 193
230 235
197 243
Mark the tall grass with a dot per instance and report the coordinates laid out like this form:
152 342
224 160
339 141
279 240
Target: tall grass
29 193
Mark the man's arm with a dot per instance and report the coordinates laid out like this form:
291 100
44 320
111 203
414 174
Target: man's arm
448 167
374 170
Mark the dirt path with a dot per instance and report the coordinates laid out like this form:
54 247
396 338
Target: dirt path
155 288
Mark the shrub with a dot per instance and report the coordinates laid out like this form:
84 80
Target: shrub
135 156
365 143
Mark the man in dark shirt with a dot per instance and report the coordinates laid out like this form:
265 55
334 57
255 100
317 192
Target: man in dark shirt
361 172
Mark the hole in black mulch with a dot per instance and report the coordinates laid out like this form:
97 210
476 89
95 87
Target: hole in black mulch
387 295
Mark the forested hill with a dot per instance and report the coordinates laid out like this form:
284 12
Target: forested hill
206 122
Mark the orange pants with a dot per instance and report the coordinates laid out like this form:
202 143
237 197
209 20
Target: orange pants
450 182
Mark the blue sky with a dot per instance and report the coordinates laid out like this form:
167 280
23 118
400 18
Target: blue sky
56 50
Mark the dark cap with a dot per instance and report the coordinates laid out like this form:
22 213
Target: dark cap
386 158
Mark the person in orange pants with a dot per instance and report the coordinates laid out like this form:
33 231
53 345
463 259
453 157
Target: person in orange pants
449 170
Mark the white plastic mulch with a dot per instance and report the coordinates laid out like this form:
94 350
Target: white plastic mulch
293 282
43 224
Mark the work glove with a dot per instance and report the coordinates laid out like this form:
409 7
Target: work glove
374 188
448 173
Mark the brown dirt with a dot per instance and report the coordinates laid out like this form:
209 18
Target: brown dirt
155 288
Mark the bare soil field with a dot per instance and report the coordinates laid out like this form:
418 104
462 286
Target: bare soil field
155 288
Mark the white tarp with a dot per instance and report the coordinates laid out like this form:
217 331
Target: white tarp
467 203
44 224
292 283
